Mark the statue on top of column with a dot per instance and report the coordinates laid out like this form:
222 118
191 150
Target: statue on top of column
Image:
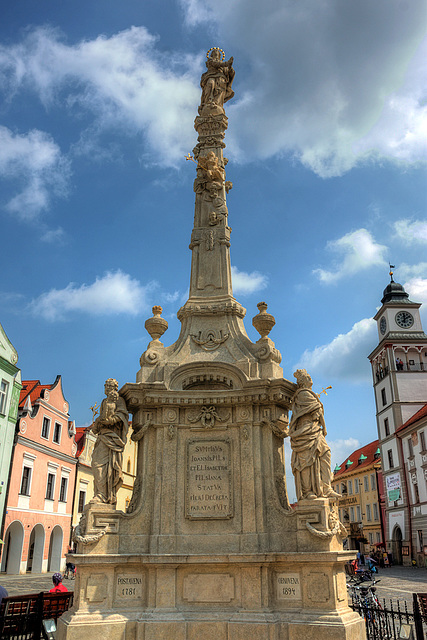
311 455
216 82
111 427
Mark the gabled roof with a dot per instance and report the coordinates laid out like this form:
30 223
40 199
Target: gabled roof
32 389
421 413
365 453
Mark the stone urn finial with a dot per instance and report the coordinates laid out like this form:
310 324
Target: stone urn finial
263 321
156 326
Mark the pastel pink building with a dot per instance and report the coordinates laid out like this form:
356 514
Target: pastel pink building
41 487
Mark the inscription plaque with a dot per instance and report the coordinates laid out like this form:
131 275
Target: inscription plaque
128 586
288 586
208 491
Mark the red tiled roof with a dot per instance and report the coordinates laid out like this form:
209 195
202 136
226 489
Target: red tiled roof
421 413
80 439
367 450
33 389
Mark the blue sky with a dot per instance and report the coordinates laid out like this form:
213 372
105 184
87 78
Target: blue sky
327 150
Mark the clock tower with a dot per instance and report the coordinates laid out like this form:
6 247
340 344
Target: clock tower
399 372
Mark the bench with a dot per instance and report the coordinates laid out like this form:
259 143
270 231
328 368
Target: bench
21 617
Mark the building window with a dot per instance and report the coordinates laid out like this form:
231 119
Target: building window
378 536
358 513
351 514
375 507
63 490
82 500
26 481
356 486
390 458
4 386
373 482
368 513
350 487
46 428
57 433
422 441
410 448
383 397
371 538
50 487
366 483
386 427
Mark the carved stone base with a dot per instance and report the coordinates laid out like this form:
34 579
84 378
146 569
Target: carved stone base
234 597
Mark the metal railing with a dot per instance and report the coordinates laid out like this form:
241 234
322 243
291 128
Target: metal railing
384 622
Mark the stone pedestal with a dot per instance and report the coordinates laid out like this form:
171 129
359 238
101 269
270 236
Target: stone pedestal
228 597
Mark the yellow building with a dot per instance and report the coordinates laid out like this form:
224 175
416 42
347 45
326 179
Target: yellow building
359 481
85 440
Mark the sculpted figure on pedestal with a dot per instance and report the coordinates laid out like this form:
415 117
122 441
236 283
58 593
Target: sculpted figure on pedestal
111 427
311 455
216 81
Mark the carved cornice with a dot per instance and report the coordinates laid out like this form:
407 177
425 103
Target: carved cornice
153 399
230 307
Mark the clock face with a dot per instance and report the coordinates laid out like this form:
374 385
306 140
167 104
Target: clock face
383 325
404 319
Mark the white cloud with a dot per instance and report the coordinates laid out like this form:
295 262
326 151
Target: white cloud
245 283
123 80
332 83
341 449
53 236
360 252
407 271
417 289
411 232
34 163
113 293
345 356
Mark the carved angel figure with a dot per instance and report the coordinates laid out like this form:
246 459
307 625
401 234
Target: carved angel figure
217 80
311 455
111 427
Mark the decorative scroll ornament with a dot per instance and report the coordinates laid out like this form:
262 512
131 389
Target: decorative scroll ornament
149 357
336 528
280 428
210 340
282 494
140 431
136 495
79 533
207 417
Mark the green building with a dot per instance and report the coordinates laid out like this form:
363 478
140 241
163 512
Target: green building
10 386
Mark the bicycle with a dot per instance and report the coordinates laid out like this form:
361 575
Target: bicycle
364 600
